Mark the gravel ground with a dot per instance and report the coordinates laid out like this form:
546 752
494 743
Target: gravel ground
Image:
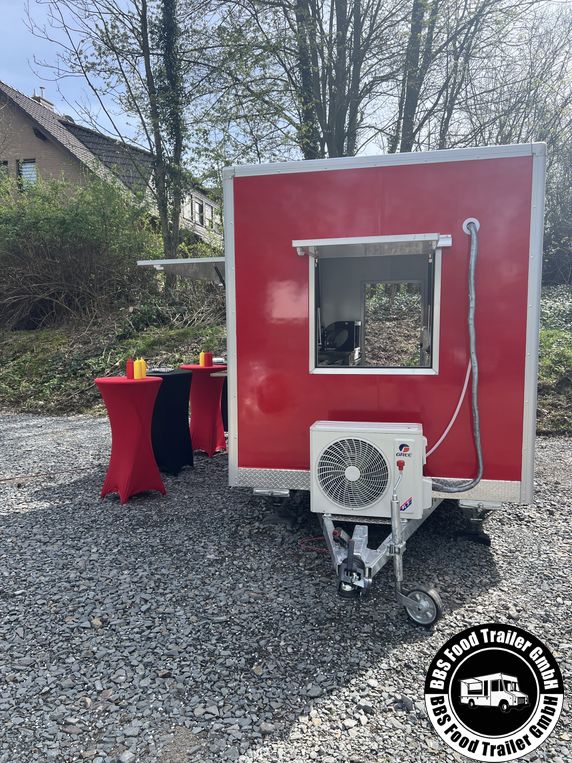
193 627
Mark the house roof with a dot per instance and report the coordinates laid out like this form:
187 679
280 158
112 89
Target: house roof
132 165
108 158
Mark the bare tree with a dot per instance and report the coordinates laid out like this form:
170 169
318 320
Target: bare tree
311 68
524 93
327 77
448 44
136 58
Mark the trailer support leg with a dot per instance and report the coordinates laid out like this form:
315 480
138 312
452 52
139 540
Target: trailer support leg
397 546
356 564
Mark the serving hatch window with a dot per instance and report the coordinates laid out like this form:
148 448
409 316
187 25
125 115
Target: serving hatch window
395 334
374 305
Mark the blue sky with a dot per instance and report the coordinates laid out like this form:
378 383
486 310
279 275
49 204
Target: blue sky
20 47
17 52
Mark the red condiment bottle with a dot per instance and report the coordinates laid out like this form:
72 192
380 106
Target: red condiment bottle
129 371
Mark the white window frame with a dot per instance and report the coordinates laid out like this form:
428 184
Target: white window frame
199 211
310 247
21 177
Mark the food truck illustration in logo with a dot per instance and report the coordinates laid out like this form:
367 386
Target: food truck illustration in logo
495 690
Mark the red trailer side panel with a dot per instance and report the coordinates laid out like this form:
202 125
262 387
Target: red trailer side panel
278 398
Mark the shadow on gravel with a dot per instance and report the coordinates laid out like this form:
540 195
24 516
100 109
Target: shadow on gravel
198 611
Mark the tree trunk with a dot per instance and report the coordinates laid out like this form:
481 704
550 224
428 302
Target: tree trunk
173 107
355 82
308 134
412 75
159 165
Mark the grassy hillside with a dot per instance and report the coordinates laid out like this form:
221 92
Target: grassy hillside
555 361
52 370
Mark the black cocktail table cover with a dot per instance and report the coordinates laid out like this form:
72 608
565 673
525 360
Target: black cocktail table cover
224 406
170 426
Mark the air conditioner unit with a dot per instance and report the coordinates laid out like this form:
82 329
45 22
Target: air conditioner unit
354 468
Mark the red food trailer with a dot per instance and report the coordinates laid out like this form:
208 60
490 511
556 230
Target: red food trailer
382 318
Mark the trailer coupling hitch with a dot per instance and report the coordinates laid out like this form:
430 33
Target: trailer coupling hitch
352 573
356 564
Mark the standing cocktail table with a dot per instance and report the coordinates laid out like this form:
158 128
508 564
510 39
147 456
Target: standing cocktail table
207 431
132 467
170 432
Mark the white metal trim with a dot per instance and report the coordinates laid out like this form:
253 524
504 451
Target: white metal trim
230 279
365 371
300 479
159 264
533 322
441 241
273 479
385 160
436 338
504 491
312 313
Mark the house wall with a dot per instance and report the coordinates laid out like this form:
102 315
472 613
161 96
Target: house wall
18 141
194 215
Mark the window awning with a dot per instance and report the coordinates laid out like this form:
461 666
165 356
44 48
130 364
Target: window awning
373 246
197 269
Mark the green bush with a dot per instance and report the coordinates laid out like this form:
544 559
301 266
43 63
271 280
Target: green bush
556 307
68 252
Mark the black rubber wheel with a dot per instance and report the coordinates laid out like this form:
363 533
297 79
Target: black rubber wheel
504 706
347 591
471 703
425 608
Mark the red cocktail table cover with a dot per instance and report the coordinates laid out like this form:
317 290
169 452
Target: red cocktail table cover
207 432
132 466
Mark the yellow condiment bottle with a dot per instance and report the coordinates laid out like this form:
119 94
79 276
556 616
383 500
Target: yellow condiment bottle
138 369
202 359
144 366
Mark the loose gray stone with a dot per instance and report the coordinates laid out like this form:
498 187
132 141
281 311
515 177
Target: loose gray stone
194 589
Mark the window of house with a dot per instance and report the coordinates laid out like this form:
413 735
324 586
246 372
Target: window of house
3 168
209 216
199 216
27 172
374 304
187 207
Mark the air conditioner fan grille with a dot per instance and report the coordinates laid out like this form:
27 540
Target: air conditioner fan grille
353 473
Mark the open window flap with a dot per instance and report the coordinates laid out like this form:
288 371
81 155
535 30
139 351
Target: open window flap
373 246
197 269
